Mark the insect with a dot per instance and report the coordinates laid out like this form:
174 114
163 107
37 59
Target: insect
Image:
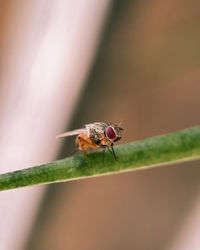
96 135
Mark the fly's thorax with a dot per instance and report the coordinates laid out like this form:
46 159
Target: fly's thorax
96 137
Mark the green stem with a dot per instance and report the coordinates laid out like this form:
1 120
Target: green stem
179 146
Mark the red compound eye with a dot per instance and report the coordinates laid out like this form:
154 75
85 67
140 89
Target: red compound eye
110 133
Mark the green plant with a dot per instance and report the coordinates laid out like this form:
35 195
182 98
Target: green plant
180 146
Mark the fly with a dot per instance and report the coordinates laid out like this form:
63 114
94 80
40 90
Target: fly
96 135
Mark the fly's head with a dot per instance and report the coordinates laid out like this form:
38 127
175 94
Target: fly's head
113 132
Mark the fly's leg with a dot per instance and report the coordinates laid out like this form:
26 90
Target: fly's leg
74 152
103 154
84 152
77 147
81 146
110 150
84 143
113 152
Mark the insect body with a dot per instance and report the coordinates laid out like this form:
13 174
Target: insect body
96 135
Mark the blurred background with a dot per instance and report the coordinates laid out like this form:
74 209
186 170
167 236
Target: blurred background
67 63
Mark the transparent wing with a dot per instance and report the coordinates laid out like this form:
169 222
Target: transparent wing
73 132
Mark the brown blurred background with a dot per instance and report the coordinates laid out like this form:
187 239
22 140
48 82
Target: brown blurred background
146 74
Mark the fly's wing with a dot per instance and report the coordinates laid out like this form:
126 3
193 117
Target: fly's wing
73 132
96 127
